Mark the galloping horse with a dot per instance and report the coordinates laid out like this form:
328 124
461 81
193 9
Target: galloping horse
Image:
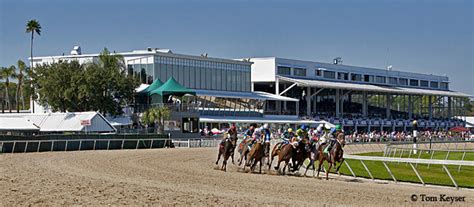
244 150
333 156
255 155
300 155
284 154
226 150
313 156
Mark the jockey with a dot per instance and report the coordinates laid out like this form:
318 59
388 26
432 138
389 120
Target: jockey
332 138
249 132
266 135
301 133
231 134
287 136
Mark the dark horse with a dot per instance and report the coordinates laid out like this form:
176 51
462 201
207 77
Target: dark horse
333 156
300 154
256 154
313 156
227 149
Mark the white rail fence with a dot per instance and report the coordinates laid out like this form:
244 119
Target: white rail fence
410 161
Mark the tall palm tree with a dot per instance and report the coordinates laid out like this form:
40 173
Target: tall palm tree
7 73
157 116
33 26
19 87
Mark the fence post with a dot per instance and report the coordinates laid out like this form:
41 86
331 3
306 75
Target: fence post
108 144
26 147
450 176
350 169
80 145
52 145
389 171
432 153
417 174
39 144
94 143
462 159
367 169
138 143
14 144
65 147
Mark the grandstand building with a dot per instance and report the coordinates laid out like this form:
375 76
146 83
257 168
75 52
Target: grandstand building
358 96
285 91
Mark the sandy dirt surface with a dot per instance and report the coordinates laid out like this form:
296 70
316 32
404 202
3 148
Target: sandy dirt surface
183 177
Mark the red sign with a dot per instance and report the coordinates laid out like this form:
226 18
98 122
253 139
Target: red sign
85 122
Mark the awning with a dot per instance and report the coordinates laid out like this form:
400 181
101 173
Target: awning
369 87
155 85
119 121
233 119
141 87
172 87
249 95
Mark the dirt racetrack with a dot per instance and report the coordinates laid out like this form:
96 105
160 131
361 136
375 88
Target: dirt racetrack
182 176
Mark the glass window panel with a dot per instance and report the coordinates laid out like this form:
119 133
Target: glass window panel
434 84
424 83
299 71
413 82
284 70
329 74
403 81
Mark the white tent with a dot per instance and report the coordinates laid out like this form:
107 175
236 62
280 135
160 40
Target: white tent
65 122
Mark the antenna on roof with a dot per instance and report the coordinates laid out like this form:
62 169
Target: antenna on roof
337 60
389 67
204 55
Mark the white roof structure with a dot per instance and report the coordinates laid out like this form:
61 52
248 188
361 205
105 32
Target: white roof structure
17 124
141 88
120 121
250 95
369 87
235 119
64 122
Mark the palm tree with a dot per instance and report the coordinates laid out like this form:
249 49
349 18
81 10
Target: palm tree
7 73
19 90
156 115
33 26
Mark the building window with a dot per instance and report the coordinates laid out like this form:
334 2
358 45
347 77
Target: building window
392 80
318 72
413 82
368 78
379 79
434 84
330 74
343 76
403 81
299 71
424 83
356 77
284 70
444 85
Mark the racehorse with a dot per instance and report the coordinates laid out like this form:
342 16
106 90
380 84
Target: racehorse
275 152
284 154
227 150
300 155
255 155
313 156
333 156
244 150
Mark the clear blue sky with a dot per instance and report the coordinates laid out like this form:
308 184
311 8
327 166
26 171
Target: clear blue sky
421 36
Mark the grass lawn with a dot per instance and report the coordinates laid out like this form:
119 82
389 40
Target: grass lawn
435 174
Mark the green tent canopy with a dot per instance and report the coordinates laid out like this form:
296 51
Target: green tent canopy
172 87
155 85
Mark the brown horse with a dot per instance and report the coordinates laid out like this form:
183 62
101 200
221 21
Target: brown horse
284 155
244 150
227 150
256 154
332 157
275 151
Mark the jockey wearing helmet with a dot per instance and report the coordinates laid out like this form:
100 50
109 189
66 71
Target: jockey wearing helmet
332 138
266 135
301 133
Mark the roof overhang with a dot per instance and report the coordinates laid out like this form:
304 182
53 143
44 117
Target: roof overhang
249 95
370 87
226 119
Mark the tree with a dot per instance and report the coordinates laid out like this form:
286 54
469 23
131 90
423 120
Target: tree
19 88
157 116
98 86
33 26
7 73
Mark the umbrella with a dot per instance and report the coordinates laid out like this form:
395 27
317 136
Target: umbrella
459 129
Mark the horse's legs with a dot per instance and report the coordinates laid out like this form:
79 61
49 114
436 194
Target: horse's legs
329 169
261 160
337 169
224 164
218 157
311 162
284 167
319 167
